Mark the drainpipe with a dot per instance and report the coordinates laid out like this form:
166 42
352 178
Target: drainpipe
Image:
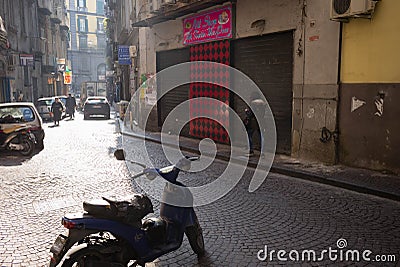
337 132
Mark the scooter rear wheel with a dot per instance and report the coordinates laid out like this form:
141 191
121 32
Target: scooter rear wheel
29 146
83 257
195 236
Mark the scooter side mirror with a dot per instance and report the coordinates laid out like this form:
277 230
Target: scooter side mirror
151 174
184 164
119 154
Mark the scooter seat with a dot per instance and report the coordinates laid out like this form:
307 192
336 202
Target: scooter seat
98 207
128 211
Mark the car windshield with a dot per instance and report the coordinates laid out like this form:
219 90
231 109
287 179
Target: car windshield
16 114
47 102
96 100
63 100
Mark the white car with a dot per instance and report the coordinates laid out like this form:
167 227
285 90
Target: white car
12 114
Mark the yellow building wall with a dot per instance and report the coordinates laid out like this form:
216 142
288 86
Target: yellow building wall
92 21
371 48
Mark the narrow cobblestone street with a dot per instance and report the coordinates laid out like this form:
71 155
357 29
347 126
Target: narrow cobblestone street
77 163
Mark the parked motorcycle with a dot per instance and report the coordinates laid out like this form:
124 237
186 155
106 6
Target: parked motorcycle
112 232
18 138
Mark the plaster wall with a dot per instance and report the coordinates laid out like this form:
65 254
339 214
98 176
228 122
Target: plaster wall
370 83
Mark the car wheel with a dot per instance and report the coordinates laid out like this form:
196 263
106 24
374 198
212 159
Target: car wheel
107 116
40 144
85 116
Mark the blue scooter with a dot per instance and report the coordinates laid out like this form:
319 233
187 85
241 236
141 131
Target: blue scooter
112 232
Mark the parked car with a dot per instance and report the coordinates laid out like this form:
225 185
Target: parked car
23 113
63 100
96 105
44 108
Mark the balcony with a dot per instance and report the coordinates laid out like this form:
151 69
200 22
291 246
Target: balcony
3 39
48 63
169 10
44 7
38 45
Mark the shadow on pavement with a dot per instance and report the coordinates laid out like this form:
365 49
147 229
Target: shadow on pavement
14 158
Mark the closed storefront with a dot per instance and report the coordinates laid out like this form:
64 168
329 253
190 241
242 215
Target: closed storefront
268 61
178 95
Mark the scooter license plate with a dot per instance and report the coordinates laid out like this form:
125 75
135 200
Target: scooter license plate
58 245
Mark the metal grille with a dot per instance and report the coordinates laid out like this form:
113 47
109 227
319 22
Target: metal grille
341 6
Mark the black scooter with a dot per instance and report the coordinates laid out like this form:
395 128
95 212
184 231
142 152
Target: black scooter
112 233
18 138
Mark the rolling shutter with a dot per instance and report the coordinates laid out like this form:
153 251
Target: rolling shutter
178 95
268 61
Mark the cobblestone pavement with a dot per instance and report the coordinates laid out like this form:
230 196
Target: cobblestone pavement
284 214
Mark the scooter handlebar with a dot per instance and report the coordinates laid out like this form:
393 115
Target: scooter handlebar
192 158
138 174
152 173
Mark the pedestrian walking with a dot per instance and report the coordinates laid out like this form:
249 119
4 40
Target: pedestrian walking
251 124
71 105
57 109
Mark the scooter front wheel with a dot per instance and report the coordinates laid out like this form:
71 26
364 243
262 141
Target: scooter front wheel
194 234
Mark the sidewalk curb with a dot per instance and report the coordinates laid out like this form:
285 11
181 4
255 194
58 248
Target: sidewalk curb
287 171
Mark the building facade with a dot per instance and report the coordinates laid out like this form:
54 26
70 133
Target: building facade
278 44
369 89
33 37
320 71
87 47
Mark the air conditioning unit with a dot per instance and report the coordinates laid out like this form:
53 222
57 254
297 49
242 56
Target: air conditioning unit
341 9
167 2
132 51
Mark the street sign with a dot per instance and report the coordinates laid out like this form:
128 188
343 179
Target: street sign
68 77
26 60
123 55
61 67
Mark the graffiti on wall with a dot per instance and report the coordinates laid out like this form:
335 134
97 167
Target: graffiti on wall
379 107
356 103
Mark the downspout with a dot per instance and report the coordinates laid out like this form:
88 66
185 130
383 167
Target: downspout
337 130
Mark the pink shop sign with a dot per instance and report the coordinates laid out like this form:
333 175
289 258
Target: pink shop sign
209 26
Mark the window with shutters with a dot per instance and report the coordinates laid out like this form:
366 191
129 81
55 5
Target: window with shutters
83 42
82 5
100 7
100 26
82 24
